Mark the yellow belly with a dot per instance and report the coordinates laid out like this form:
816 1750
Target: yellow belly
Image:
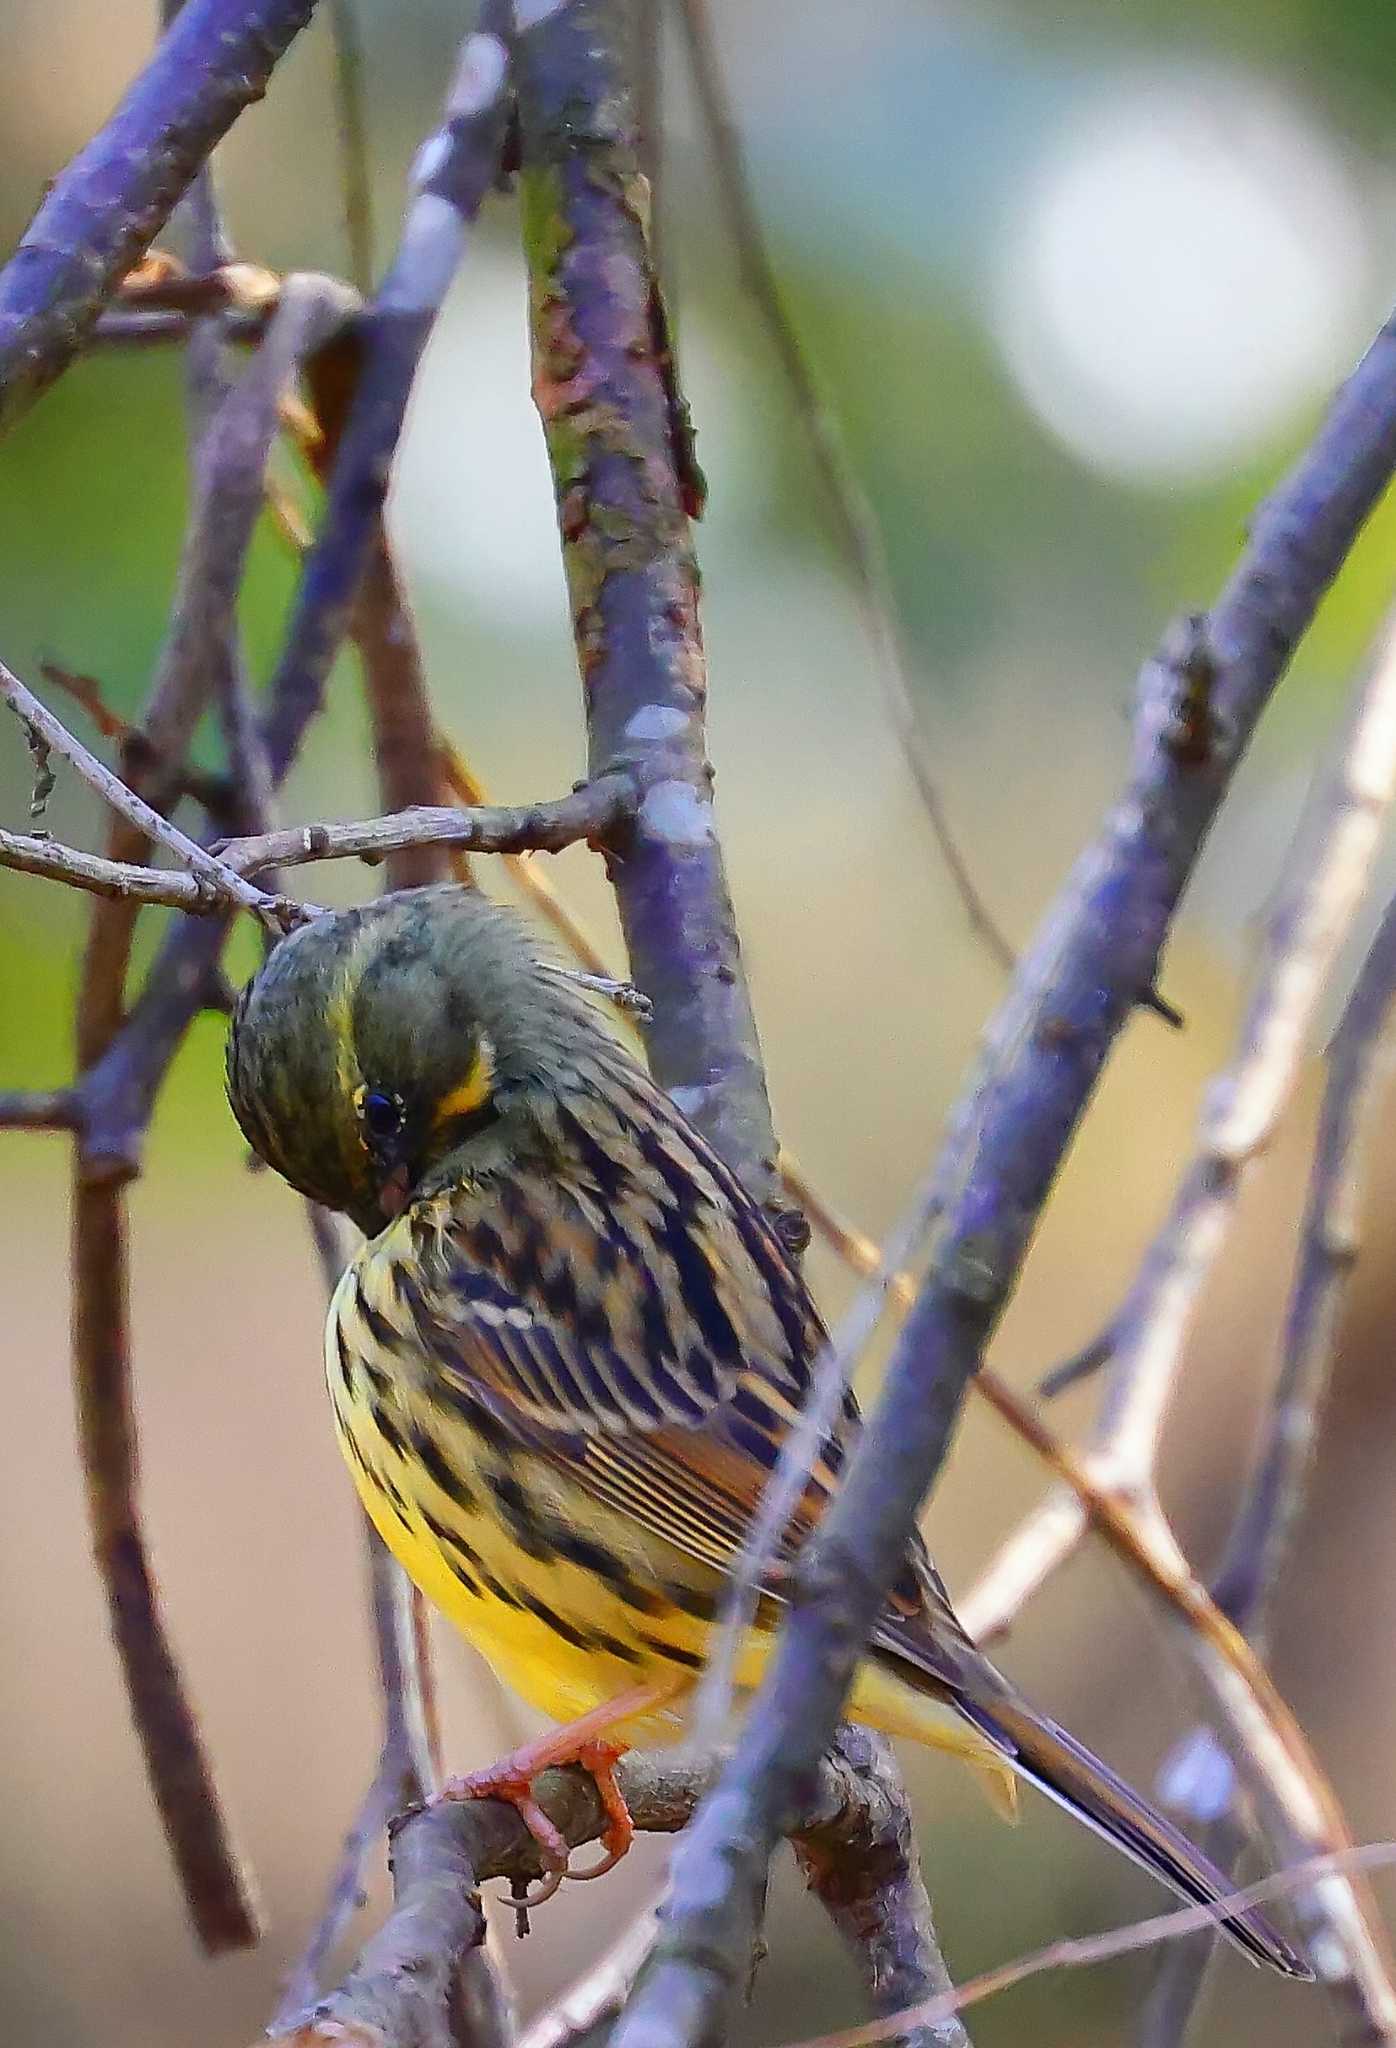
565 1633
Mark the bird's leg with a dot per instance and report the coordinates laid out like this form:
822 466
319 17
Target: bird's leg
583 1742
601 1758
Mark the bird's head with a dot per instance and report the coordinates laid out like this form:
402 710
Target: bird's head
378 1041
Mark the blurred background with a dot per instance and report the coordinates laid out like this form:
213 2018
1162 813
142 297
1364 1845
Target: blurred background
1078 283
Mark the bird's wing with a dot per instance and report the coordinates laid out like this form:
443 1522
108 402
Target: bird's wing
623 1307
631 1315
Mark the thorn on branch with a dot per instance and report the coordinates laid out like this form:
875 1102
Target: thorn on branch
1083 1365
1161 1007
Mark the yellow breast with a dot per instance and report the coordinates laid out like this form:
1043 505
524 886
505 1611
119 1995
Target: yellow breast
566 1599
552 1588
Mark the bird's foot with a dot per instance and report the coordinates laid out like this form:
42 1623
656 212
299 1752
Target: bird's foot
513 1777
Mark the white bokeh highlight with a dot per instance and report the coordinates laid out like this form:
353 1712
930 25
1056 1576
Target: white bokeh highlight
1184 268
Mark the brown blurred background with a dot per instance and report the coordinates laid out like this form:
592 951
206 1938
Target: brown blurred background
1077 294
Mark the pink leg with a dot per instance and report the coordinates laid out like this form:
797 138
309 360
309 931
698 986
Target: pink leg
580 1741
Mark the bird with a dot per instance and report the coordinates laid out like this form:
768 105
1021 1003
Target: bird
565 1358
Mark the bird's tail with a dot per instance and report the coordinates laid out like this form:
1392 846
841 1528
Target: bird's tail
1066 1771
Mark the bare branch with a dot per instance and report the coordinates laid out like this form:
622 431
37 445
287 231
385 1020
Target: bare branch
199 652
126 1070
600 1992
454 172
1241 1113
1359 1060
626 486
869 1883
1075 1952
121 880
399 707
595 812
216 1887
37 1109
1137 1534
212 874
1096 954
353 139
102 211
855 527
398 1993
202 643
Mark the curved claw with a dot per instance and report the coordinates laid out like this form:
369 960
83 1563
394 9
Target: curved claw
582 1742
608 1862
600 1759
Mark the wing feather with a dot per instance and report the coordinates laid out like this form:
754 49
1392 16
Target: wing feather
630 1315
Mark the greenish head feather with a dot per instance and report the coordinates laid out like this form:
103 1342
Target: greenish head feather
375 1042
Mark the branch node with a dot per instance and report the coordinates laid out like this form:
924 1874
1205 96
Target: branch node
1192 730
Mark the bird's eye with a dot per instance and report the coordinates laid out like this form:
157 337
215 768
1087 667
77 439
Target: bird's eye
382 1114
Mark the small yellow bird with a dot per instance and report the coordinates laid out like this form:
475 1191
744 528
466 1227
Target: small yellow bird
564 1362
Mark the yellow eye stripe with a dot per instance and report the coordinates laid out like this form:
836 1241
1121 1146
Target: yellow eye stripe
473 1092
339 1020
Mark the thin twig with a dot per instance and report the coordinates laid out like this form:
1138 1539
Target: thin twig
592 813
1075 1952
344 1895
37 1109
405 753
600 1992
647 69
454 171
818 1420
210 790
216 1886
102 211
213 875
353 139
199 654
855 526
119 880
230 491
1359 1059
